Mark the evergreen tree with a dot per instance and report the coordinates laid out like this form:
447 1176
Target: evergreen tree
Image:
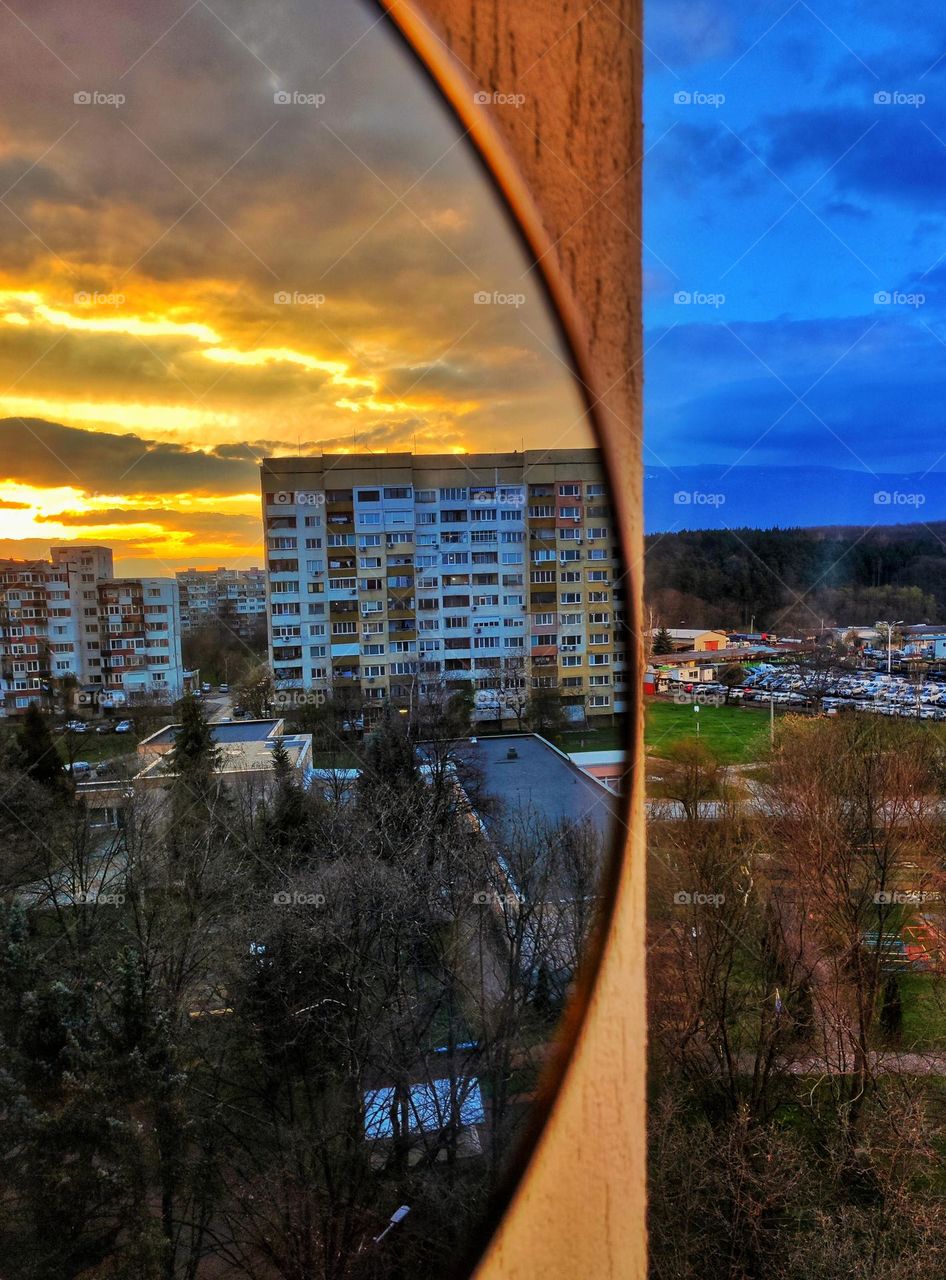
37 752
285 820
663 643
195 755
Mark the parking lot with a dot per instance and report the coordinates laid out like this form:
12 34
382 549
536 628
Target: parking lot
870 691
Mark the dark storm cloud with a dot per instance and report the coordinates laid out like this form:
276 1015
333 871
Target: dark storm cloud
42 453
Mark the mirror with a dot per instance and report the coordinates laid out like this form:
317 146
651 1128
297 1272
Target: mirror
313 655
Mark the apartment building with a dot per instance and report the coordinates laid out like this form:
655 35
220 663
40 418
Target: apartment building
233 598
139 623
396 575
48 622
56 623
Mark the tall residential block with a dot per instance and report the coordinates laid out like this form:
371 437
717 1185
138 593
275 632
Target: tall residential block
396 575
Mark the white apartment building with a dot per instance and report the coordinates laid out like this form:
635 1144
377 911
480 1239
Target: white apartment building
398 574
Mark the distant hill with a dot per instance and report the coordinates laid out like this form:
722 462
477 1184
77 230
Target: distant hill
713 497
794 579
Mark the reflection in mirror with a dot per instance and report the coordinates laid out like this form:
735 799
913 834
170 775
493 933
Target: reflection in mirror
798 677
312 654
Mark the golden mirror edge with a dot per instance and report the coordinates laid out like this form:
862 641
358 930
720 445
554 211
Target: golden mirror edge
574 1206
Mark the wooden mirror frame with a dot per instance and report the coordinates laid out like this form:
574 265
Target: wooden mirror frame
566 164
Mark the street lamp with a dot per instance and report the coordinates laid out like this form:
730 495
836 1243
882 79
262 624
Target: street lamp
397 1216
890 626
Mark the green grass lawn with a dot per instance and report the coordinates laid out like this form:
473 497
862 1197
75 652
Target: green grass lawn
734 735
924 1012
609 737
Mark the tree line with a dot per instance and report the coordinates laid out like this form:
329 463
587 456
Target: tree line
793 580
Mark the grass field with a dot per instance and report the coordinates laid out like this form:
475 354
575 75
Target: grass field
734 735
924 1013
609 737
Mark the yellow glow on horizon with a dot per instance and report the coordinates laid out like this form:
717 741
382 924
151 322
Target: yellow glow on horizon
126 417
286 355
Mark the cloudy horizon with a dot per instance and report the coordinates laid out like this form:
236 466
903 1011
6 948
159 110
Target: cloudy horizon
232 232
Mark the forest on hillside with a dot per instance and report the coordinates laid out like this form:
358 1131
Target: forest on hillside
794 580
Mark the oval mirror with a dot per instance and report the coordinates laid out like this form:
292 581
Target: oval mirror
313 655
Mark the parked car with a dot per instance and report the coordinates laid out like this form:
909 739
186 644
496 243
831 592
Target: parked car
77 726
223 688
124 726
103 728
79 767
205 687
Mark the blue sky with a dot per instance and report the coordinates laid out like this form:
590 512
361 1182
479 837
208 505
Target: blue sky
782 194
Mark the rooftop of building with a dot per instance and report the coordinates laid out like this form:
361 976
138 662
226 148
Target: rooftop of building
247 755
342 464
542 781
730 653
691 633
225 732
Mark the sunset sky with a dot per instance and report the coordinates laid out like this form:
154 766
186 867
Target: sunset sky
148 354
